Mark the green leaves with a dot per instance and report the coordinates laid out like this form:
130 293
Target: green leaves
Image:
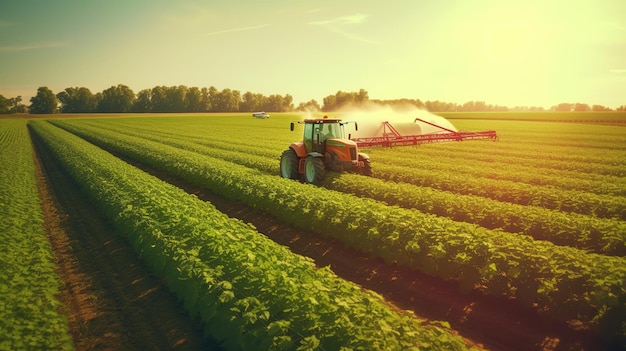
250 292
534 272
30 318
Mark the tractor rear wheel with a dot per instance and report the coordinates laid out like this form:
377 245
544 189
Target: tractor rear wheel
314 171
289 164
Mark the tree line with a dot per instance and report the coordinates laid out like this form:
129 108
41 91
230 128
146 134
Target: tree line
122 99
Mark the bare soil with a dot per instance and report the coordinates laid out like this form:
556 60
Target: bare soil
114 302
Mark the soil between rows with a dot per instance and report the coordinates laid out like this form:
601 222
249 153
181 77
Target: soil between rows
111 300
496 324
109 312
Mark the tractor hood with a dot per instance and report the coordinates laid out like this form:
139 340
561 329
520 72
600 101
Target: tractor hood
340 143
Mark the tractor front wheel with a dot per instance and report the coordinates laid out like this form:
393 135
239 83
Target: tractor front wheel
289 164
314 171
367 169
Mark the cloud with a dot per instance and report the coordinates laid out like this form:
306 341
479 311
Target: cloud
337 25
618 71
28 47
353 19
240 29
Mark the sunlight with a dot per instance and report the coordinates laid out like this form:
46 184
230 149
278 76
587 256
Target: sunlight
511 43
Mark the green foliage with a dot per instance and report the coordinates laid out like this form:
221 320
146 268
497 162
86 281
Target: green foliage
44 102
534 272
29 309
250 292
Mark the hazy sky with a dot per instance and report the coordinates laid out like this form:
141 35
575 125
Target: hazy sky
526 52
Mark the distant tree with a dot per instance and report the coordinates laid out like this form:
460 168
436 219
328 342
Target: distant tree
440 106
212 96
563 107
12 105
143 103
599 108
341 99
206 101
474 106
329 103
194 101
159 99
226 100
177 97
287 103
77 100
116 99
311 105
44 102
621 108
401 104
252 102
578 107
5 106
278 103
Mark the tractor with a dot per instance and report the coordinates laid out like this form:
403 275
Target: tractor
323 147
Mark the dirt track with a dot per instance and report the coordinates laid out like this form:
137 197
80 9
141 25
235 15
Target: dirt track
114 303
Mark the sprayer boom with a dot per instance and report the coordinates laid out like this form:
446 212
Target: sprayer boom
391 136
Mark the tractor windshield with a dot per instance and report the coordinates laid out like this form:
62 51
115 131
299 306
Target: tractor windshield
329 131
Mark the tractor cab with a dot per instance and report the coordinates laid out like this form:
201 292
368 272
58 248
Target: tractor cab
323 147
318 131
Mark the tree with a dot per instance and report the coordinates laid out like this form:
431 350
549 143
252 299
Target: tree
473 106
143 102
16 105
118 98
159 99
177 97
311 106
599 108
206 101
252 102
77 100
195 101
341 99
578 107
226 100
440 106
44 102
4 105
563 107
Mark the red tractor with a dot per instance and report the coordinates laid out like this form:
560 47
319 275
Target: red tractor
323 147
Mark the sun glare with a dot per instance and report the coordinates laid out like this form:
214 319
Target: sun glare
510 43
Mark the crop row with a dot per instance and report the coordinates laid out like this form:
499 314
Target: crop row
566 283
605 206
448 161
538 137
602 235
602 197
30 317
528 159
250 292
541 154
499 168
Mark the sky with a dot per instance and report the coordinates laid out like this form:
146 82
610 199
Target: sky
504 52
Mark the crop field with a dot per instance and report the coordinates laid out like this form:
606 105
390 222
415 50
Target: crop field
533 224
